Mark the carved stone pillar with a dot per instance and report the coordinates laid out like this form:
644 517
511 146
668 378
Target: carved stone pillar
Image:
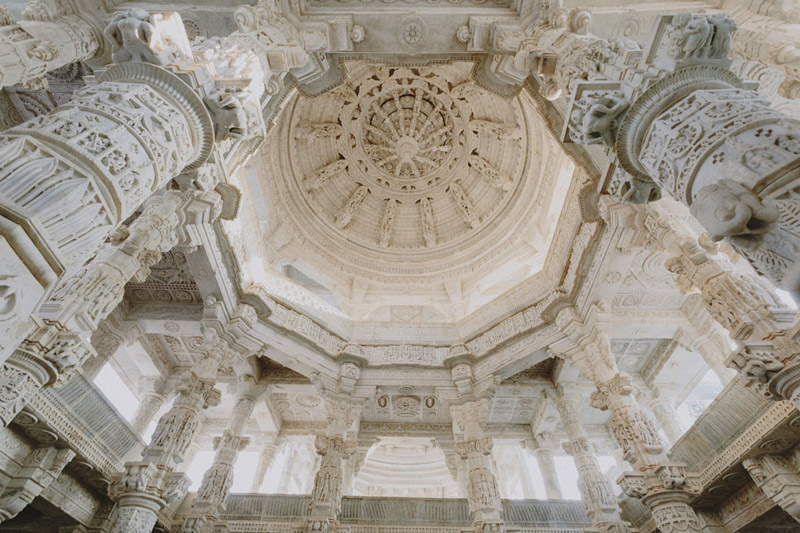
266 456
60 344
31 48
475 450
655 480
681 122
39 469
779 477
334 449
153 392
67 179
73 175
596 491
326 497
663 408
544 457
744 305
151 484
218 478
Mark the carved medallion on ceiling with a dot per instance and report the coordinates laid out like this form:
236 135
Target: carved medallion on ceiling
406 158
408 171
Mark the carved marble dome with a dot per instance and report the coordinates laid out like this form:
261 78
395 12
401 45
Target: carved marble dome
408 175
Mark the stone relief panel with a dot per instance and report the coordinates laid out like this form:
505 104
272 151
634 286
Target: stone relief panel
633 355
170 281
297 403
405 404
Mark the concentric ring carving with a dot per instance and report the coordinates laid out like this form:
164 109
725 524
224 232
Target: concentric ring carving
410 158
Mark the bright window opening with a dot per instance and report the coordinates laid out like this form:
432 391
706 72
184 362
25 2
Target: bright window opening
202 461
567 477
244 471
114 388
699 399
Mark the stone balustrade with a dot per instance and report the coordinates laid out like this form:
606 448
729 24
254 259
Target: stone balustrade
244 512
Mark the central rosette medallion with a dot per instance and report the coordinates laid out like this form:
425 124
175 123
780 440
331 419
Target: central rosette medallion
407 131
413 165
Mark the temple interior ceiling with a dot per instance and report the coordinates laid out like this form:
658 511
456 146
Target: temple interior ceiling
405 192
405 257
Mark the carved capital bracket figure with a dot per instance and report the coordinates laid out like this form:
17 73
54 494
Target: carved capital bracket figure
633 428
31 48
38 470
680 120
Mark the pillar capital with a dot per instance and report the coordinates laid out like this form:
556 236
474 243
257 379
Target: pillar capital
38 470
31 48
673 95
667 490
779 477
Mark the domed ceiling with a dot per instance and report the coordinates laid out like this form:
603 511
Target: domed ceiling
403 177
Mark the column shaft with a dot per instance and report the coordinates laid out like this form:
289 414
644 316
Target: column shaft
60 344
596 491
265 459
69 178
217 480
148 408
151 484
547 466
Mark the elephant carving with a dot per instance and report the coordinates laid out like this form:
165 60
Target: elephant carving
727 208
